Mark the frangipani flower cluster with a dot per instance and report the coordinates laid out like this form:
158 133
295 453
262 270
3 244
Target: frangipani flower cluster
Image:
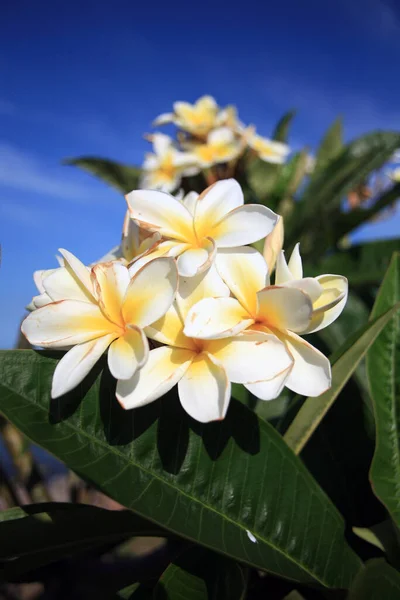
208 137
185 279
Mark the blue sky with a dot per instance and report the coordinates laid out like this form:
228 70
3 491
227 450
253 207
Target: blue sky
88 78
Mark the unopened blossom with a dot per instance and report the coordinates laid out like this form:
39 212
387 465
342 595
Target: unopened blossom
286 309
203 369
218 218
268 150
221 146
99 308
198 118
164 168
273 245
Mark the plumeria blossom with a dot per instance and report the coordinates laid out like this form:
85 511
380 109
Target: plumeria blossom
221 147
203 369
93 309
198 118
193 231
268 150
165 167
293 306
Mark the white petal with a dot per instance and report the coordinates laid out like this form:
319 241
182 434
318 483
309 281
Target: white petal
161 143
215 318
157 211
77 363
41 300
284 308
282 273
207 284
244 225
191 262
66 323
271 388
62 284
38 277
214 203
128 353
311 372
169 330
150 292
251 357
295 264
309 285
79 270
245 272
163 119
190 201
331 302
110 282
205 390
163 369
221 135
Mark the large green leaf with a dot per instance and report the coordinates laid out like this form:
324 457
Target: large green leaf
124 178
383 367
378 581
362 264
210 483
38 534
348 357
281 130
262 177
331 144
201 575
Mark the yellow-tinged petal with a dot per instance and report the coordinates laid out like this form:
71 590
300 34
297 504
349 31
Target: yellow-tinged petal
79 270
214 203
251 356
128 353
215 318
192 261
331 302
169 330
284 308
295 264
162 213
150 292
110 281
282 273
66 323
273 245
243 225
62 284
77 363
204 389
245 272
163 369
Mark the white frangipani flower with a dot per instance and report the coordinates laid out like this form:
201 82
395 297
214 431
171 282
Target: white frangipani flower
165 168
268 150
198 118
221 147
203 369
195 229
92 309
285 309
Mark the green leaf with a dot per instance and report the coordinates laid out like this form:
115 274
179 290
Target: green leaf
290 177
281 130
328 187
378 581
38 534
362 264
369 536
331 144
209 483
124 178
128 592
201 575
383 368
262 177
348 357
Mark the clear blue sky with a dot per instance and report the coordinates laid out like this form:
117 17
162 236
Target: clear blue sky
88 78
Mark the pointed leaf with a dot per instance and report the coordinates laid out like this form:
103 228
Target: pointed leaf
210 483
348 357
377 580
331 144
383 368
281 130
124 178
